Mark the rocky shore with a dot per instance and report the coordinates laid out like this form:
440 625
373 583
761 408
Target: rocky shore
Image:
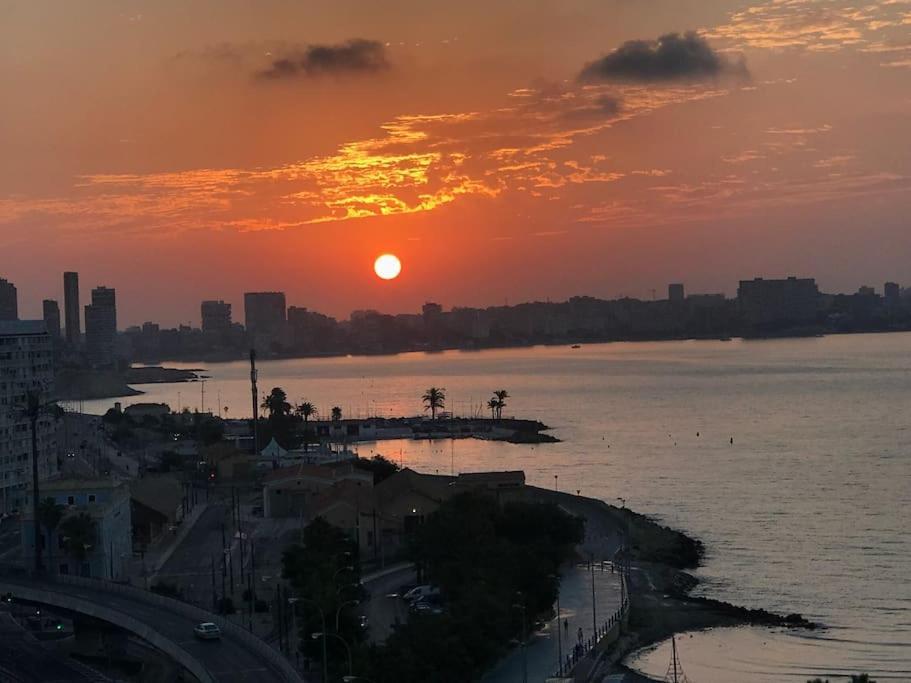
86 385
660 586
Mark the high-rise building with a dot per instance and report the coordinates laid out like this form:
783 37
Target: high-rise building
101 327
264 312
216 316
26 365
675 292
71 310
9 301
769 304
892 292
52 318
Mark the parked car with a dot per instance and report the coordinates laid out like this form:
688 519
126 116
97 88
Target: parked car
207 631
420 592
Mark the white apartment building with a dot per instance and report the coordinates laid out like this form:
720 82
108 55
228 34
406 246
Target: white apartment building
26 364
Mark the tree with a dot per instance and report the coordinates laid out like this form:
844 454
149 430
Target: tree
277 404
50 512
501 396
78 535
336 414
493 404
434 399
382 468
306 410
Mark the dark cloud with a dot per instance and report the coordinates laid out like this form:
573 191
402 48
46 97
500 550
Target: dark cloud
354 56
673 57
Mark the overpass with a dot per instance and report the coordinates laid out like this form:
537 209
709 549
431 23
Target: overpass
165 623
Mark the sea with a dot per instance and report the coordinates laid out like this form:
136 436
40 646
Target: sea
789 458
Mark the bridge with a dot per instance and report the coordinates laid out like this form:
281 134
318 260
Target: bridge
165 623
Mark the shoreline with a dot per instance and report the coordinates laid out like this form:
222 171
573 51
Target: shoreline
659 584
78 384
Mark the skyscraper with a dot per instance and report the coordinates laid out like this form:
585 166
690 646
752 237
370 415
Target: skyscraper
675 292
52 318
101 326
892 292
9 301
71 308
216 316
264 312
28 367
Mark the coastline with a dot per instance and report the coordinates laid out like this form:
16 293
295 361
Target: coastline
86 385
660 585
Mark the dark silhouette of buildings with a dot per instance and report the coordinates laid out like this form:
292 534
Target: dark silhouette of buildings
9 301
675 292
51 314
770 305
71 310
101 327
216 316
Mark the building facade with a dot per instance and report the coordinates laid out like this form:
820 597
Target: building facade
9 301
216 316
51 318
71 310
768 305
107 504
675 292
101 327
26 364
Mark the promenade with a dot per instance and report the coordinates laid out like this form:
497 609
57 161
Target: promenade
576 610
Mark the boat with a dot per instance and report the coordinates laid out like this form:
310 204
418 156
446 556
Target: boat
575 346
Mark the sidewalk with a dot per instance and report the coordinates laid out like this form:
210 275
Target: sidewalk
576 609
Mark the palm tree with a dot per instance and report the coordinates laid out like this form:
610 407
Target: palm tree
78 535
336 414
434 400
493 404
306 410
50 512
277 403
501 395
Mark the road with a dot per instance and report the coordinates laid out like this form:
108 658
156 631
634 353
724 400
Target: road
190 565
229 660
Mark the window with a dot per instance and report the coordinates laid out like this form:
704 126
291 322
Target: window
70 500
91 497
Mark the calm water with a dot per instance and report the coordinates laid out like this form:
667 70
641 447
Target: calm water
807 511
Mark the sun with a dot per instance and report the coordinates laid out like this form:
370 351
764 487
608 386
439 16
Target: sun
387 266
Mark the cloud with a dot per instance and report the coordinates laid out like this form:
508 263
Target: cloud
673 57
354 56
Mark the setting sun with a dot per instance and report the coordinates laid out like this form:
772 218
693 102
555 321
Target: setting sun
387 266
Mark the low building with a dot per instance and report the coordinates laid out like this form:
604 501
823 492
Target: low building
107 503
290 491
139 411
156 505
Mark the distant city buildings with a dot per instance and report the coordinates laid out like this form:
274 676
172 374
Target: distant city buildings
264 312
767 305
675 292
71 310
51 314
216 317
26 365
9 301
101 327
892 292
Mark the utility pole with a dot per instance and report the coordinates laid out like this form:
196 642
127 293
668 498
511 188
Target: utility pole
591 565
255 402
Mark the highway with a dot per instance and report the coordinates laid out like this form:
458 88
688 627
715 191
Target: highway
233 659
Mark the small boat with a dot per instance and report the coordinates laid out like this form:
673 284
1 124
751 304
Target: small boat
575 346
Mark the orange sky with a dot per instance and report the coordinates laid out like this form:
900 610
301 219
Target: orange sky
505 151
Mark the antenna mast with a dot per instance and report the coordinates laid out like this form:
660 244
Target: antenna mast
255 401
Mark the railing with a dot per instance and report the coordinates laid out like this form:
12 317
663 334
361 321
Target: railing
608 631
264 649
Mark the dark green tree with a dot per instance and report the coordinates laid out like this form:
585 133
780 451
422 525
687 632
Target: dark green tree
434 399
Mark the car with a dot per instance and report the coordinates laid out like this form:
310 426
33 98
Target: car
424 607
207 631
420 592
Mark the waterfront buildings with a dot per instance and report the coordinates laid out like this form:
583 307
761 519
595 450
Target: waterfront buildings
109 543
769 305
264 314
71 310
675 292
216 317
51 313
892 293
26 365
101 327
9 301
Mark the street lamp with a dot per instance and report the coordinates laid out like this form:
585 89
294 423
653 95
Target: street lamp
323 635
322 616
559 632
338 612
522 606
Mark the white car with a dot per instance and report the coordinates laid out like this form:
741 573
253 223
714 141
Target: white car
207 631
418 593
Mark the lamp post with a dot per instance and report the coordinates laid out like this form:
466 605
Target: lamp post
322 616
522 606
338 612
323 635
559 632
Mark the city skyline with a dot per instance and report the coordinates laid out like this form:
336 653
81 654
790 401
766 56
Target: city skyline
287 146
